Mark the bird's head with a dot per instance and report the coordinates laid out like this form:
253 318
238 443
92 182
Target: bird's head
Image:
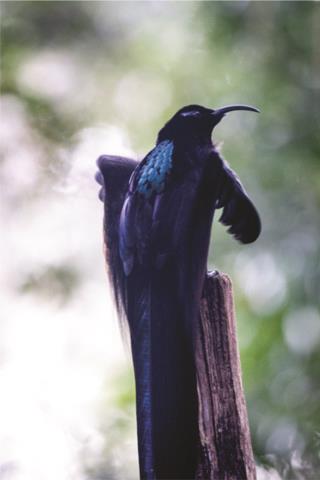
196 122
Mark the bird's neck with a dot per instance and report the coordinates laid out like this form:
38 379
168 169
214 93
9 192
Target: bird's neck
187 141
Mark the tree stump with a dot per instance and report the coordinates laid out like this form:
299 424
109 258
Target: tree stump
225 444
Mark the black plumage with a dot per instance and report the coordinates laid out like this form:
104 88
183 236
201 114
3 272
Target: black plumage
157 232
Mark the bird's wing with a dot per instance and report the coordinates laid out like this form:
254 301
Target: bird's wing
239 213
135 222
149 228
113 176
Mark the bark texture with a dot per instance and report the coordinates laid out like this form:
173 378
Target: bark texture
225 451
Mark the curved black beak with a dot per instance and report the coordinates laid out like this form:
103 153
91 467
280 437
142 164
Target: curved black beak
231 108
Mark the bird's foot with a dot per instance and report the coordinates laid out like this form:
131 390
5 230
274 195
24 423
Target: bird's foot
212 273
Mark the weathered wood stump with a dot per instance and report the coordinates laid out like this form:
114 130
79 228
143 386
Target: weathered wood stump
225 444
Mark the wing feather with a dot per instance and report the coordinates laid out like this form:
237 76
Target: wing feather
239 213
148 186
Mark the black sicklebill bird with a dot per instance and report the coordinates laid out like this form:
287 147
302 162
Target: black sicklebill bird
157 231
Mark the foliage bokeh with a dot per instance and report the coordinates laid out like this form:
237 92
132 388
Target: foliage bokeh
79 75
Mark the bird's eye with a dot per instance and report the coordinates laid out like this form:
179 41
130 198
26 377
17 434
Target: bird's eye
193 113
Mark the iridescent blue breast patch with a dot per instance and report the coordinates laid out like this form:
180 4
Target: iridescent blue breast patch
154 173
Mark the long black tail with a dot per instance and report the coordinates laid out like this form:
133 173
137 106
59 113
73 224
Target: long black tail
165 376
161 344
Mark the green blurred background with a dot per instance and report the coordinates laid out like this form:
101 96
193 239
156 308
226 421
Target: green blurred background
84 78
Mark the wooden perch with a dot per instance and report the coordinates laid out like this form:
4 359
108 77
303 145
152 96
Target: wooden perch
225 444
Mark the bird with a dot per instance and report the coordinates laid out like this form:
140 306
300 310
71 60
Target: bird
157 228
